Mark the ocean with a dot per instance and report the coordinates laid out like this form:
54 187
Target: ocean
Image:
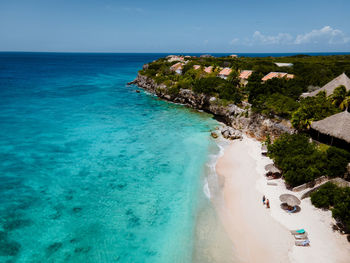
91 171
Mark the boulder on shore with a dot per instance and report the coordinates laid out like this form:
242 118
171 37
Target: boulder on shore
230 133
214 135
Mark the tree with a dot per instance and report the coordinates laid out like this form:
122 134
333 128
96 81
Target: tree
337 160
233 77
299 159
344 105
312 109
338 96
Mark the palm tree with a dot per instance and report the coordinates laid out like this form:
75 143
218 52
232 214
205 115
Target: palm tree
345 103
339 96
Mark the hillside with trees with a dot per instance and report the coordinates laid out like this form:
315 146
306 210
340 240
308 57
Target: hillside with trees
276 97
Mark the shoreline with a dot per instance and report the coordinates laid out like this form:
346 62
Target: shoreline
238 117
260 234
257 234
211 241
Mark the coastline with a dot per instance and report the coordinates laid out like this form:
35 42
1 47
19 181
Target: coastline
238 117
260 234
211 241
255 234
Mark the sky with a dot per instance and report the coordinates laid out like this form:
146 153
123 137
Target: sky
175 26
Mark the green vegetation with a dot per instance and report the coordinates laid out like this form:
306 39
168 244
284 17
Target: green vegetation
218 87
337 160
330 196
312 109
302 161
275 97
340 98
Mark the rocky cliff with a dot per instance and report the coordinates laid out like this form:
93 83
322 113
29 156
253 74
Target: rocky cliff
240 118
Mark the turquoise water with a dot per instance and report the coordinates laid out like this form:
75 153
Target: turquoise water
91 171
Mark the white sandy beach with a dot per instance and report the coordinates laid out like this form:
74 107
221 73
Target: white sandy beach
260 234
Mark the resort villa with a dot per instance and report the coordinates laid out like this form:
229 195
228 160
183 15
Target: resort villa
196 67
177 68
234 56
208 69
224 73
172 58
280 75
244 75
341 80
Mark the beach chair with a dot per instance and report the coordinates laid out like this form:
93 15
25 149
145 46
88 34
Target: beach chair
302 243
293 210
302 236
298 231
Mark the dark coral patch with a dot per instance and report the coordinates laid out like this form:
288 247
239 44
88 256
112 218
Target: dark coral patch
53 248
14 223
8 247
83 250
77 209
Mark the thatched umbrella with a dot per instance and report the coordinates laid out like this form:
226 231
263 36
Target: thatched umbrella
271 168
290 200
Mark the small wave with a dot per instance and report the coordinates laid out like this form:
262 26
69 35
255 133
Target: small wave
211 164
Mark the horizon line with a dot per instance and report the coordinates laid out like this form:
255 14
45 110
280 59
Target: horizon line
111 52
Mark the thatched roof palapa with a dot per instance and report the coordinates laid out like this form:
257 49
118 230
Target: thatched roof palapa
331 86
337 126
290 199
271 168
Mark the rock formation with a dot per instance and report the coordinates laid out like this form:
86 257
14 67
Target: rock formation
239 118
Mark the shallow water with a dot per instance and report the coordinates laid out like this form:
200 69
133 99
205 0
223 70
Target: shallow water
92 171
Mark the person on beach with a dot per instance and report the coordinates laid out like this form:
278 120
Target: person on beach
264 198
267 203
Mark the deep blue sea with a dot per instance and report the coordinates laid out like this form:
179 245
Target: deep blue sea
90 170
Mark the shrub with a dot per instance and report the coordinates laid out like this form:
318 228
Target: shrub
330 196
173 90
299 159
312 109
324 197
337 160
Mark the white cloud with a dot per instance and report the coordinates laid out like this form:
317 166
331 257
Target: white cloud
234 41
326 34
281 38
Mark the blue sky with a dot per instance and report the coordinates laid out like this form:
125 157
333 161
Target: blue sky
175 26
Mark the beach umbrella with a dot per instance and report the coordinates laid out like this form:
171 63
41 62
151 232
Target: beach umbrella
271 168
291 200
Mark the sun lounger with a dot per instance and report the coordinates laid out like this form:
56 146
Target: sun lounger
302 243
297 232
302 236
271 183
293 210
